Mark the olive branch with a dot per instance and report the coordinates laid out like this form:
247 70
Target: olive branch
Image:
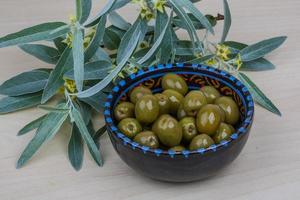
89 54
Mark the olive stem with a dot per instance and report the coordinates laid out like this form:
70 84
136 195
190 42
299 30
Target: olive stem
219 17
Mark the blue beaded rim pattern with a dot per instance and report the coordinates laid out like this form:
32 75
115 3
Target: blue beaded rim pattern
240 89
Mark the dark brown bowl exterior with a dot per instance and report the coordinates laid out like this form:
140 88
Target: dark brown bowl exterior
184 166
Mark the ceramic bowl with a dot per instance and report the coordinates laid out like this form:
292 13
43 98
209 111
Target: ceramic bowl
187 165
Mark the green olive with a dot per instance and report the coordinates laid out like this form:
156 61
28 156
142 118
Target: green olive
168 130
201 141
193 101
178 148
223 132
223 115
175 99
181 113
130 127
189 129
147 109
124 110
147 138
231 109
174 82
211 93
231 127
138 92
209 118
164 103
147 127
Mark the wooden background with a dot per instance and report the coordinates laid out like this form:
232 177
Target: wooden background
268 168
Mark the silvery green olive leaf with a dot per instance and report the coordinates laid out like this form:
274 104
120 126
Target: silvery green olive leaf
62 28
156 44
181 24
105 10
60 44
262 48
76 148
144 29
182 59
184 18
91 130
212 20
98 134
87 137
173 56
96 101
85 111
100 55
187 21
44 53
12 104
46 70
161 22
184 48
192 9
259 97
110 6
83 9
260 64
78 57
46 131
25 83
33 34
131 43
166 46
93 70
130 47
119 4
174 41
127 40
235 45
118 21
97 39
174 35
227 20
117 31
201 59
32 125
53 109
164 53
140 53
55 80
111 40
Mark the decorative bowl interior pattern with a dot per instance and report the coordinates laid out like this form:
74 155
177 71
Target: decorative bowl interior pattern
187 165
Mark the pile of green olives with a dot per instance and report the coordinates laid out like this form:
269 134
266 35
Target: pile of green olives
177 119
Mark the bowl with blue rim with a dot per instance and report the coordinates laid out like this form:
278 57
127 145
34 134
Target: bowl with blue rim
184 166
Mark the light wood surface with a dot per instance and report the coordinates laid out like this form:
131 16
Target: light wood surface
268 167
